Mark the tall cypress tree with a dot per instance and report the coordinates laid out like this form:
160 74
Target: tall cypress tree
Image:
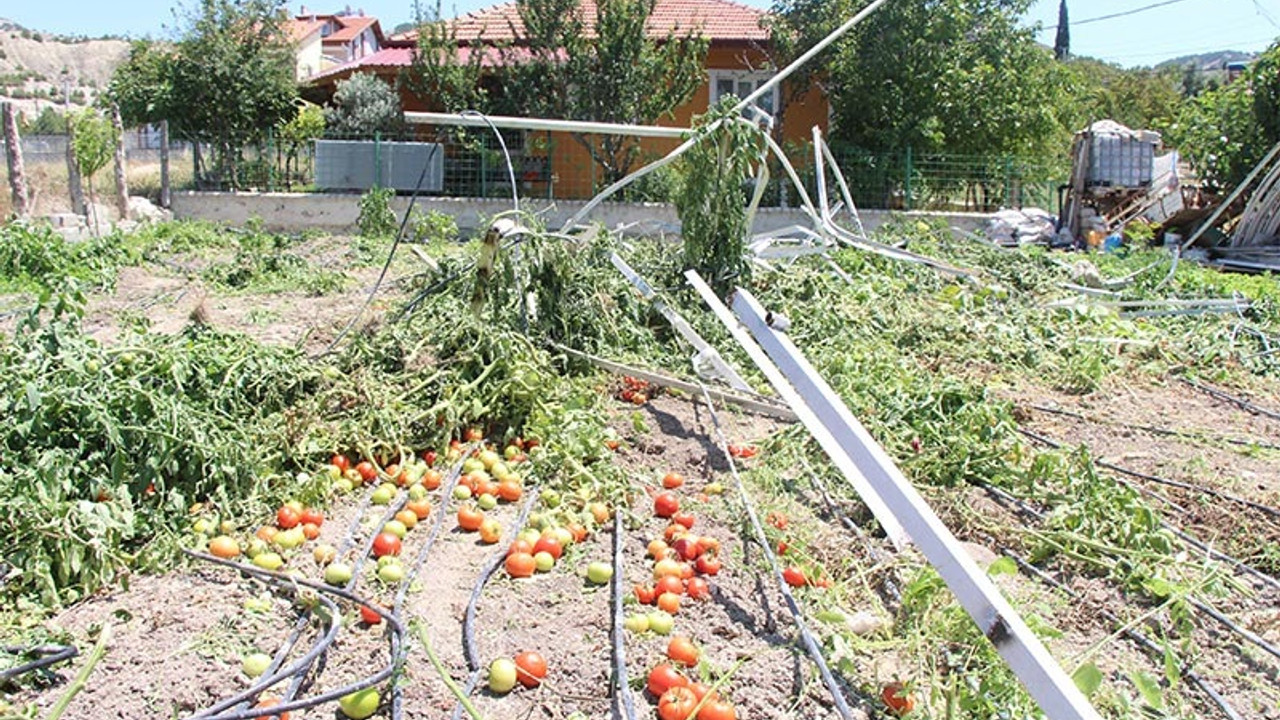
1062 43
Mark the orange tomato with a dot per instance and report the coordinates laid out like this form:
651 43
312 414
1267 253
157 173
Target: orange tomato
224 547
669 602
470 518
510 490
531 668
266 533
677 704
520 565
408 518
420 508
310 531
897 698
682 650
672 480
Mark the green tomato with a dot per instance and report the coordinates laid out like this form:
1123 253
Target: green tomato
395 527
333 472
502 675
383 496
529 535
324 554
599 573
256 548
268 561
417 492
461 492
501 471
255 664
563 536
471 465
487 501
337 574
202 526
488 459
391 573
290 539
550 498
388 560
360 704
510 451
637 623
343 485
661 622
544 561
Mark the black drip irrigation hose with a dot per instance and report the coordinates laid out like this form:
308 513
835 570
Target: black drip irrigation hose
1203 607
1260 507
811 645
290 582
469 616
1228 397
1155 430
49 654
390 254
1145 643
891 594
624 704
449 483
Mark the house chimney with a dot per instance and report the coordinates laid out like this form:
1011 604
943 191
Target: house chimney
302 11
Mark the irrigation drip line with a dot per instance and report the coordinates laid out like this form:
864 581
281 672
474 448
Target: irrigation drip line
290 582
469 615
1203 607
49 654
891 594
417 187
621 686
811 645
1228 397
1154 650
1260 507
1156 430
447 485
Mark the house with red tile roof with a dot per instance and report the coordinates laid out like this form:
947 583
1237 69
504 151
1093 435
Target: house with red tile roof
737 62
324 41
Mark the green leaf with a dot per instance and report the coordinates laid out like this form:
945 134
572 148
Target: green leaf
1149 687
1003 566
1088 678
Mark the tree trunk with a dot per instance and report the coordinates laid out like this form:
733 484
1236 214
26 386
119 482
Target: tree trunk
13 155
74 184
122 184
165 192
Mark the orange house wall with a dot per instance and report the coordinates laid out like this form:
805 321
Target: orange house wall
575 175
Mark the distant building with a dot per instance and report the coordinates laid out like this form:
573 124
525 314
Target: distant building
325 41
1235 70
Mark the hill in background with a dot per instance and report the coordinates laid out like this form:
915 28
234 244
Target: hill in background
39 70
1208 61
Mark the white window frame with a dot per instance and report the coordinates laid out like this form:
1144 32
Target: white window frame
739 77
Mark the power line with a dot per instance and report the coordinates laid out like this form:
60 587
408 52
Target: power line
1112 16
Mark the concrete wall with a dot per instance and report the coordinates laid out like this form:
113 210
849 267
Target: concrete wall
337 213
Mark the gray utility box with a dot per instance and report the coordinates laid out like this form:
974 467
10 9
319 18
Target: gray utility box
361 164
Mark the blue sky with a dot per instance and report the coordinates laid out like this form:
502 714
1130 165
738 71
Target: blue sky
1178 27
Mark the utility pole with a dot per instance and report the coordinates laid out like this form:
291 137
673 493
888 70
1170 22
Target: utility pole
13 155
74 186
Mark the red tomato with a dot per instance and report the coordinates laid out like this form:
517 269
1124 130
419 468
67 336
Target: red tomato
341 462
665 504
310 531
367 471
663 677
531 668
420 508
429 457
386 544
548 544
782 547
717 710
682 650
473 434
897 699
287 517
369 615
777 520
270 702
684 518
669 602
312 516
697 589
677 704
700 690
709 564
645 594
672 480
794 576
520 546
521 565
470 518
669 584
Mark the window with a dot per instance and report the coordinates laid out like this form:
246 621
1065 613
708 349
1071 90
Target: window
741 84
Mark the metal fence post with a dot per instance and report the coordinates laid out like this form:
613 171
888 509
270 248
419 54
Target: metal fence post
906 183
377 158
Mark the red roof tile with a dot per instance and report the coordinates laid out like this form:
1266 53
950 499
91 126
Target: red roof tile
392 58
714 19
350 27
302 27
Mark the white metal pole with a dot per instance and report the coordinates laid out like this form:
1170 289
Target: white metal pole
1043 677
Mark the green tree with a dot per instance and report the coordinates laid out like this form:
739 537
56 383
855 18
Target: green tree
48 122
143 85
962 76
297 134
1136 97
556 67
364 105
94 144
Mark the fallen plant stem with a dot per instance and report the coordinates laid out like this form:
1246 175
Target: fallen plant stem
82 677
